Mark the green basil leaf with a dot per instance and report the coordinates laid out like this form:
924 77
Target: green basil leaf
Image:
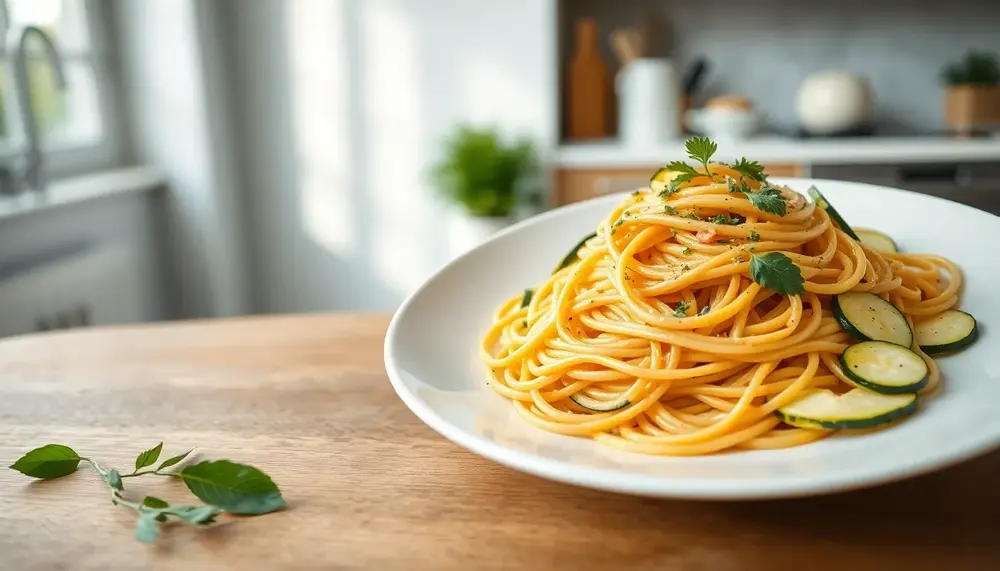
171 461
114 479
154 502
48 462
149 457
236 488
147 528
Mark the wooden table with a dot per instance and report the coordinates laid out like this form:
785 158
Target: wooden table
306 399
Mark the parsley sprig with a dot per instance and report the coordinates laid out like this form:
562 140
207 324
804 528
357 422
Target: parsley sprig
750 169
768 199
776 271
699 149
224 486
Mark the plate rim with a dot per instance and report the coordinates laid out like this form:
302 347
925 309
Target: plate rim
663 486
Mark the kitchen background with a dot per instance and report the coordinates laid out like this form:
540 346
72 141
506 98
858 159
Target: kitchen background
224 157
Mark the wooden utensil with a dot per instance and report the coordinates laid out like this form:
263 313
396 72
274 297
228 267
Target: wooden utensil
628 44
589 103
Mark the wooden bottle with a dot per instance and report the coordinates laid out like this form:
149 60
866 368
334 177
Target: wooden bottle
589 102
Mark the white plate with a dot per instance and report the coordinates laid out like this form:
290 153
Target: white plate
431 357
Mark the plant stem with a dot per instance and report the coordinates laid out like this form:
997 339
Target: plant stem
96 466
153 472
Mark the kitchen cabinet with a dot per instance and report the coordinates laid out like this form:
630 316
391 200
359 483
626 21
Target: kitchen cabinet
81 264
575 185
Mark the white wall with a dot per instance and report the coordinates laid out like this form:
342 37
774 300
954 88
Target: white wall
178 118
342 105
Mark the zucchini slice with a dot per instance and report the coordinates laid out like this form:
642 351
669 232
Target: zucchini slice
868 317
948 332
526 298
571 256
822 202
877 240
885 368
660 180
855 409
598 405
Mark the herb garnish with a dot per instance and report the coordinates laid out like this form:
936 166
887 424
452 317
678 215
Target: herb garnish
686 251
698 149
742 186
723 219
750 169
776 271
701 149
691 215
705 310
754 237
681 308
670 210
768 199
225 486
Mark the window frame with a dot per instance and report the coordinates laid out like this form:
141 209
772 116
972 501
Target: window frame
63 157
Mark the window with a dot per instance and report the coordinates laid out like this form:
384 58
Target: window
75 122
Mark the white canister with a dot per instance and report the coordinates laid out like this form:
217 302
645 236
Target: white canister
648 102
834 102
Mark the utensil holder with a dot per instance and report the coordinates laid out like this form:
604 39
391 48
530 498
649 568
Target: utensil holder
648 102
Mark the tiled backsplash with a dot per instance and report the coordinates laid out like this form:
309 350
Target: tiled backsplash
765 48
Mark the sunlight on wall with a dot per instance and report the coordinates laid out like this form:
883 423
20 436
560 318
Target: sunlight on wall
396 137
492 93
319 92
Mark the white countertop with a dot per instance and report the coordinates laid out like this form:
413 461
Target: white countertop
85 188
775 149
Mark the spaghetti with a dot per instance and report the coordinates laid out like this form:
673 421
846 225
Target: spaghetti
658 338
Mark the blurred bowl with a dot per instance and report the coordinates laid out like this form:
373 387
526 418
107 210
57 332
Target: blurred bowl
723 122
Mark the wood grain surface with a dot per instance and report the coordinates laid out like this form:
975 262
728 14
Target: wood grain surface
306 399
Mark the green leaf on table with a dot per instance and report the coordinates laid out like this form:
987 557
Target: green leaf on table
148 458
236 488
48 462
147 527
172 461
194 515
114 479
154 502
776 271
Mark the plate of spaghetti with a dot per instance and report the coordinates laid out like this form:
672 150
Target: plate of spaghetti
716 334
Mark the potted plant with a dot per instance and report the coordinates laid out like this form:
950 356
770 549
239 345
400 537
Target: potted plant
972 100
486 179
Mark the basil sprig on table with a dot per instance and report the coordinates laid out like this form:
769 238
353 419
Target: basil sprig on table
224 486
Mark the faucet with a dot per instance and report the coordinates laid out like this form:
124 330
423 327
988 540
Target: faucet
17 54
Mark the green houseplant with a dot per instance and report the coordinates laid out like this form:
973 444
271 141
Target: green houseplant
485 176
972 99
